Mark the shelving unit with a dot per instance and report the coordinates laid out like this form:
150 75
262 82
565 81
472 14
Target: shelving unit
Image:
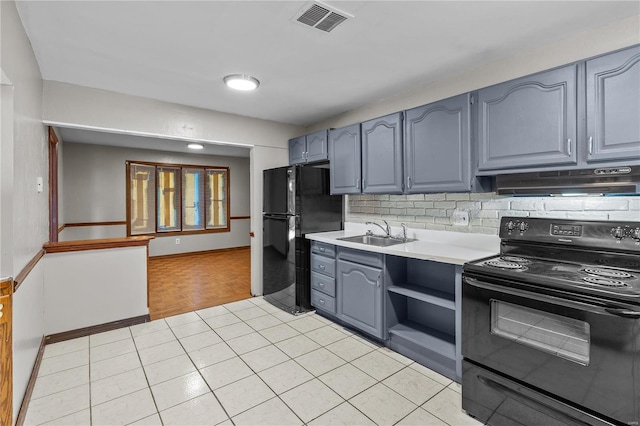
422 312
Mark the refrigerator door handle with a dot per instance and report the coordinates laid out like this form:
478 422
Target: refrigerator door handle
291 190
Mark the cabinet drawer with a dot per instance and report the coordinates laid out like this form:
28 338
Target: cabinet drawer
323 249
324 302
323 283
323 265
360 256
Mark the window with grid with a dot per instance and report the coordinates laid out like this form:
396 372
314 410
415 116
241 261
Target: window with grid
175 198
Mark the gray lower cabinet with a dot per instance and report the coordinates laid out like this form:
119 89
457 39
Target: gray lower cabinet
382 155
345 158
613 106
310 148
529 122
359 276
423 312
437 146
323 283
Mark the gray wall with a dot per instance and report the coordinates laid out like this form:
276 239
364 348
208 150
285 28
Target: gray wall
434 211
95 191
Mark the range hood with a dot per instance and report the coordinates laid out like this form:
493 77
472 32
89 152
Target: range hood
600 181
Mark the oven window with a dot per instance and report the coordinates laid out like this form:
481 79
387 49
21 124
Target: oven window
561 336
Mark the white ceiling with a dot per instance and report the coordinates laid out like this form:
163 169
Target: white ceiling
146 142
178 51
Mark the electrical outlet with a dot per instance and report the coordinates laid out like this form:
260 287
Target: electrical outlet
460 218
177 240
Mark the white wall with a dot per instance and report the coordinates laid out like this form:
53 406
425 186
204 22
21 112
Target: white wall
107 285
95 181
592 42
24 158
28 330
30 209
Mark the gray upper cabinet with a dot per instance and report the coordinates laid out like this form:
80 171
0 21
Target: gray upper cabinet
309 148
317 148
613 106
344 156
382 155
528 122
437 149
297 150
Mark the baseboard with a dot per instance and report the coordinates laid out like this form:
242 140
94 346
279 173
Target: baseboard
95 329
191 253
22 413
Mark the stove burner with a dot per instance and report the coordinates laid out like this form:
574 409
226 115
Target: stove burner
514 259
607 273
502 264
607 282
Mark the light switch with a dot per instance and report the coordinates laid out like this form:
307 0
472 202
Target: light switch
40 184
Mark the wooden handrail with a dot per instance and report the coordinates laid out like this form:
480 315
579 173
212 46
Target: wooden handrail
22 275
105 243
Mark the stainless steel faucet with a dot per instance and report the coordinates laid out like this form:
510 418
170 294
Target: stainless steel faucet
387 231
404 231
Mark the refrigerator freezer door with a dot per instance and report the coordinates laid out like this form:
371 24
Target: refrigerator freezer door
279 191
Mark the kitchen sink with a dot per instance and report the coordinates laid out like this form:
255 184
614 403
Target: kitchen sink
375 240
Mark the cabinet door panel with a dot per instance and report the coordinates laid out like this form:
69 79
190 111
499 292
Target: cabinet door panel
297 148
382 155
529 122
344 155
360 297
437 146
613 106
317 146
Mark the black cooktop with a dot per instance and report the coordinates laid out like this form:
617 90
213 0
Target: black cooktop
596 278
589 257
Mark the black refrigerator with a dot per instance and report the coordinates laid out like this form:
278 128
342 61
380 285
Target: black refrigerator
296 202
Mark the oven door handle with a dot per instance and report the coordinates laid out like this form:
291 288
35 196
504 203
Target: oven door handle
583 306
625 313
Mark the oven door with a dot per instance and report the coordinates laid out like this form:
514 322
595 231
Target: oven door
579 349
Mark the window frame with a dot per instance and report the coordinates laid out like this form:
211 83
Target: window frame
180 167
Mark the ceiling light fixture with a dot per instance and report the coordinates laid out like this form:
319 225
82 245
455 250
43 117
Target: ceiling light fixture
241 82
195 146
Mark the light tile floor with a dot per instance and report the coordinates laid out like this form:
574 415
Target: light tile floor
244 363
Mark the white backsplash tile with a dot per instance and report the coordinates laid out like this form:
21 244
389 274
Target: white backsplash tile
434 211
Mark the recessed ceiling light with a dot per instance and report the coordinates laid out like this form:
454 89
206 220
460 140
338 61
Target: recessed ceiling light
195 146
241 82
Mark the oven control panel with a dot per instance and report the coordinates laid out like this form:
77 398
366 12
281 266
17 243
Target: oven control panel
567 230
623 235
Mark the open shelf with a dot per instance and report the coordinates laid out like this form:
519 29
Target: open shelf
425 294
436 341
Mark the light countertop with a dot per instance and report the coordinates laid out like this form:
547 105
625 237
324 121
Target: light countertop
440 246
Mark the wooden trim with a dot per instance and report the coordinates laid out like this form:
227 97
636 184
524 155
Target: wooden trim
22 413
106 243
78 224
191 253
127 191
61 227
53 185
239 217
6 353
26 270
95 329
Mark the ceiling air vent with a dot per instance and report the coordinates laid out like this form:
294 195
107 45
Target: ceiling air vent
321 16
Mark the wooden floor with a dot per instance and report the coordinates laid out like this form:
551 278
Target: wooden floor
184 283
